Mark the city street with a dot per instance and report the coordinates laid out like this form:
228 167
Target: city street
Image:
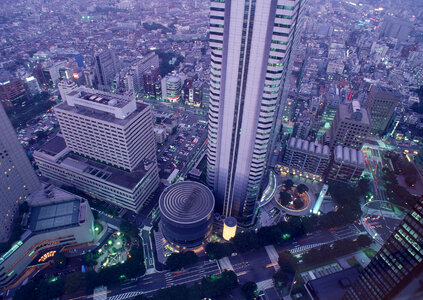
254 266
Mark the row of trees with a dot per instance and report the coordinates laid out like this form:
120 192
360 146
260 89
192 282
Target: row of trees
211 287
166 57
83 282
403 167
181 260
155 26
217 250
396 193
285 276
338 248
349 210
289 264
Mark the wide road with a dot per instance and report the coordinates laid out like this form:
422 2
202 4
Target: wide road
149 284
252 266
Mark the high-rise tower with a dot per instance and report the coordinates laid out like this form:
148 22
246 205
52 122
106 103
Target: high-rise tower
381 104
251 48
17 177
396 271
106 68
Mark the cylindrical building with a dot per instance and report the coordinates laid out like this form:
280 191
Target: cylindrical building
186 210
229 228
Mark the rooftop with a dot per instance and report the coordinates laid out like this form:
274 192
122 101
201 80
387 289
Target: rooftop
100 170
346 112
101 115
307 146
186 202
332 286
53 146
53 216
349 155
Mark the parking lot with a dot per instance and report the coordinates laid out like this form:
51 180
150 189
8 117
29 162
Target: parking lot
41 125
184 144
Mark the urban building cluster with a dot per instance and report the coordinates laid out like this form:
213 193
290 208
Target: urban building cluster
206 128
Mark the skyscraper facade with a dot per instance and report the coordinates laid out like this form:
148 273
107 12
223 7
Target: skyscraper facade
251 48
17 177
398 266
106 68
107 127
350 126
381 104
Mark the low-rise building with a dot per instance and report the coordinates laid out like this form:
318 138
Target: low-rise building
347 165
306 159
60 223
160 134
100 180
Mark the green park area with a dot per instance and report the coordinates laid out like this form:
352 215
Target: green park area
114 251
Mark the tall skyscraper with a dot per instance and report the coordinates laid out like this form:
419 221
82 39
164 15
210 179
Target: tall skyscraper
397 267
381 104
17 177
396 28
106 68
251 48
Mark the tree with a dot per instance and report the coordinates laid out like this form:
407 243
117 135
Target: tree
74 283
363 240
24 207
302 188
284 198
129 229
245 241
363 186
60 260
249 290
181 260
298 203
281 278
287 262
90 259
195 292
288 184
177 292
215 286
134 266
217 250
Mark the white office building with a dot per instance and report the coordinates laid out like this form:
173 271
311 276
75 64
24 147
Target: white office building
251 48
111 128
108 148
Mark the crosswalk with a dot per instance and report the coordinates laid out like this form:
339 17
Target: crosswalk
273 256
124 296
225 264
305 248
265 284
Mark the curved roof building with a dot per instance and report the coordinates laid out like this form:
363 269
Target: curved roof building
186 210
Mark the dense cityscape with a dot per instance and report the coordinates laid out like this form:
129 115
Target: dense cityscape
220 149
